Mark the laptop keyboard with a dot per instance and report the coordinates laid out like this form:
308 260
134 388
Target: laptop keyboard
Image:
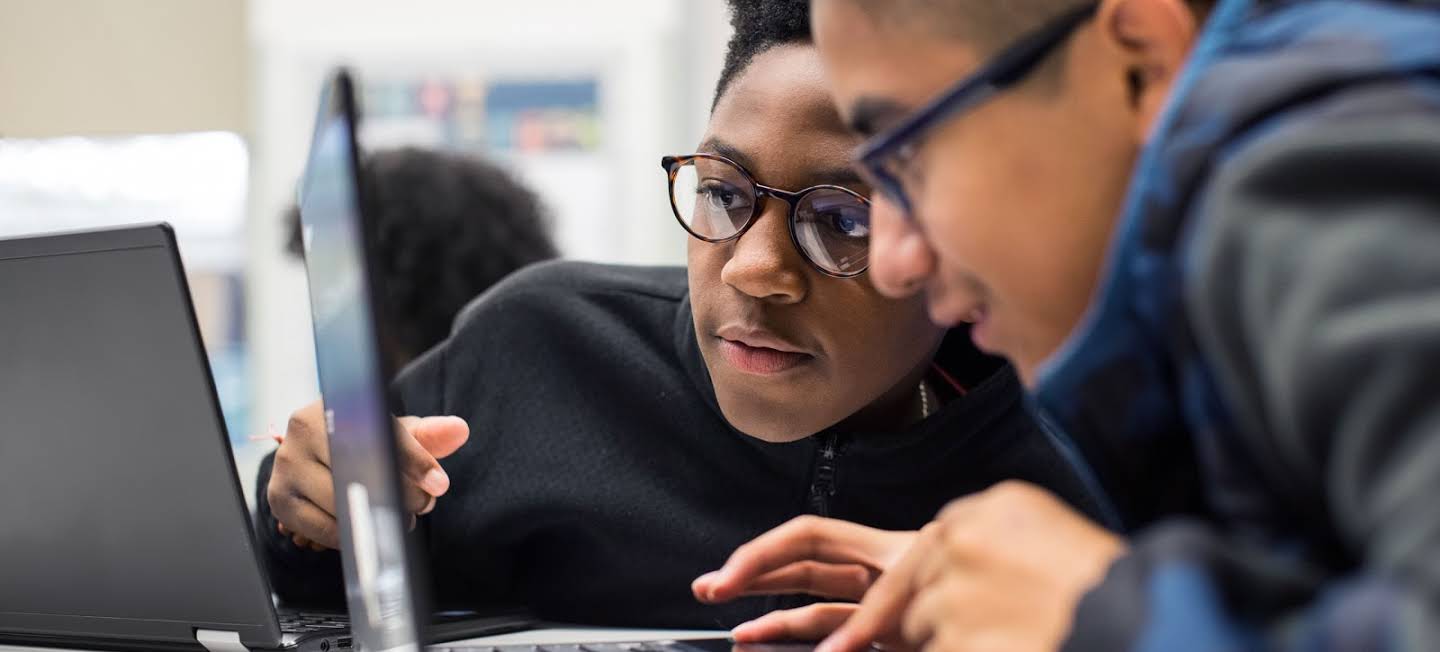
307 622
652 646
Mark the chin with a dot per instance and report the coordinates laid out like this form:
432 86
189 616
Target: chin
761 423
1028 369
777 436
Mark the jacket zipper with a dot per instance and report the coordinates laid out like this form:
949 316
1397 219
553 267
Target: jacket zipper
822 483
822 489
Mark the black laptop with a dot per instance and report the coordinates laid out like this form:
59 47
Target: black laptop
124 524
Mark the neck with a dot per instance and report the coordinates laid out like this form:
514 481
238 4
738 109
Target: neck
895 409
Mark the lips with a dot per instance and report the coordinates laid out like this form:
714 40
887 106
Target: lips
759 352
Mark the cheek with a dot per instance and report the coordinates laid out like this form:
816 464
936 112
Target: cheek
1030 216
703 263
1011 195
886 340
960 207
695 252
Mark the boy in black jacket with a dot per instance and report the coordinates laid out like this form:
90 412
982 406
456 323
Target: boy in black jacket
633 425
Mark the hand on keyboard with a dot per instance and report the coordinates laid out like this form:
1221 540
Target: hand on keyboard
826 558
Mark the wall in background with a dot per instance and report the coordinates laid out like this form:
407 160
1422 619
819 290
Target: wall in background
98 67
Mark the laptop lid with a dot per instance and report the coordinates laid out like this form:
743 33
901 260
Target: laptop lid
380 568
123 516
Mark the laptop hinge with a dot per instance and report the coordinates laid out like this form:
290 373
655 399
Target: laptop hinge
216 640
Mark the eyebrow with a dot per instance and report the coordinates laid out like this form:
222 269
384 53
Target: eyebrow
836 176
717 146
846 176
869 115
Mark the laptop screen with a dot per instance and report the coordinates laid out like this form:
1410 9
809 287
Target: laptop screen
352 382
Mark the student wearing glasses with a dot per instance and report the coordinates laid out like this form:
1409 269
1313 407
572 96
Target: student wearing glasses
610 432
1209 241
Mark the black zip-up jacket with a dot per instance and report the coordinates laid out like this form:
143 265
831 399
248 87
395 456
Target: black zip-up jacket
600 477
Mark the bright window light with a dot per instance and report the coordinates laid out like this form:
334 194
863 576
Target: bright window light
196 182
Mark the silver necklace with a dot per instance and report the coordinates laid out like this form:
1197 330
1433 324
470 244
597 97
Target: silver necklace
924 402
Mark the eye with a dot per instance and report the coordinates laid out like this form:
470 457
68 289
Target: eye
722 195
846 224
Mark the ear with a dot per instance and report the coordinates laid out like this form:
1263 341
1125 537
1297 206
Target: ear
1153 40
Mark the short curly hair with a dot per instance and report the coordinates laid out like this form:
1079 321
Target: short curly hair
763 24
758 26
449 227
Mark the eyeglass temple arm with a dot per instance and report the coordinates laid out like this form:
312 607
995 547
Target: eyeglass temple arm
1010 66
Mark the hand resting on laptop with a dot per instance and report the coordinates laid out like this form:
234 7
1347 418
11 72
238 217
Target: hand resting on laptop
301 490
822 557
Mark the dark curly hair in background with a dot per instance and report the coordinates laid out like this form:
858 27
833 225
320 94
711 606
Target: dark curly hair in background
761 25
450 226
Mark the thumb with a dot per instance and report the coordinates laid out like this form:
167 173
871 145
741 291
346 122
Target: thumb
418 438
439 436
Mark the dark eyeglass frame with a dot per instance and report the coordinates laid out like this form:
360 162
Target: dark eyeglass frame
1007 68
672 165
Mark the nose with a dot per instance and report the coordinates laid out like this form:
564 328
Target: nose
764 262
901 261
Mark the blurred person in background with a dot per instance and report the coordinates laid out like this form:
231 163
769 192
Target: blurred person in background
450 226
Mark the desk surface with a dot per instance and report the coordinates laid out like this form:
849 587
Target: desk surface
555 635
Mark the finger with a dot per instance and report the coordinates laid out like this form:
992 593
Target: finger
417 464
310 522
964 508
808 623
880 612
310 481
302 542
299 479
834 581
932 608
439 436
294 490
305 431
417 500
955 531
942 559
800 539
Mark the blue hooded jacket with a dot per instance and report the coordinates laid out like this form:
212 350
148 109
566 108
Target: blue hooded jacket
1257 383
